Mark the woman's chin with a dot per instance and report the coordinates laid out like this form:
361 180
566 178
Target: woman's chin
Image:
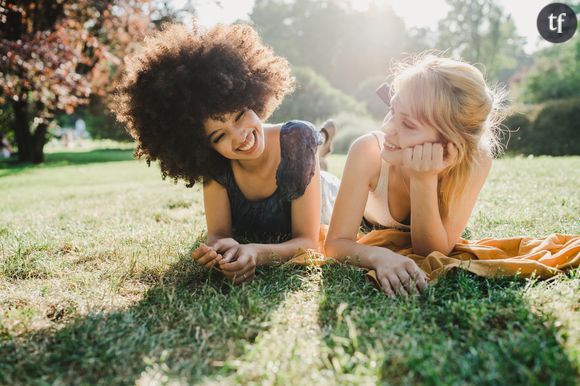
392 157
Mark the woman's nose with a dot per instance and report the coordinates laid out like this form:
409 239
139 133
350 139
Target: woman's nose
240 135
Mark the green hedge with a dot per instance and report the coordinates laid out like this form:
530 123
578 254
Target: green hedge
315 99
554 131
516 126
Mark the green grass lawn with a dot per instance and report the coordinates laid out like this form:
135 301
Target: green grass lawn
97 287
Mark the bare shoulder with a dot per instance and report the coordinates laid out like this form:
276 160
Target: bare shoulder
212 186
364 158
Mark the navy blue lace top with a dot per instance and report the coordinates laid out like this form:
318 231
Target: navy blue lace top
262 220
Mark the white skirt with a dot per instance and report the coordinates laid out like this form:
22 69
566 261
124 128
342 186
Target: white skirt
329 184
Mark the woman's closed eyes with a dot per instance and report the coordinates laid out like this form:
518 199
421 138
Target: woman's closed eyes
236 119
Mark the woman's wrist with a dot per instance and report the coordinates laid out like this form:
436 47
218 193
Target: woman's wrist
262 254
376 259
424 180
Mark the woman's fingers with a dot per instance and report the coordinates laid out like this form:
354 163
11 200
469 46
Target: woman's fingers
407 156
234 266
208 257
406 281
244 276
438 152
250 277
199 251
396 285
386 286
210 264
215 245
417 153
417 277
451 152
222 245
420 279
237 272
229 255
237 276
427 153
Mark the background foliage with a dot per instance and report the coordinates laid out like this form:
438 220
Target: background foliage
71 51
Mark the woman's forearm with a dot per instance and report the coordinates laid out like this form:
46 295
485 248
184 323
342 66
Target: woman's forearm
427 231
282 252
349 251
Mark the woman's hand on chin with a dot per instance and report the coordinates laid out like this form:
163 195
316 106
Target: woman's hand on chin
428 159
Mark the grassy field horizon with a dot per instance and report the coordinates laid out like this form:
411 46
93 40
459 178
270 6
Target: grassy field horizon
97 287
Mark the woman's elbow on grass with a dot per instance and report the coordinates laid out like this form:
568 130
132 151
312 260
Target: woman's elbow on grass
331 248
327 247
307 242
426 250
311 244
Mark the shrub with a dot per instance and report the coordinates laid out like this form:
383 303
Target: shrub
552 128
517 125
315 99
556 130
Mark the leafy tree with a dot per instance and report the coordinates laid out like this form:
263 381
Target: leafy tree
315 99
55 54
555 73
343 45
479 31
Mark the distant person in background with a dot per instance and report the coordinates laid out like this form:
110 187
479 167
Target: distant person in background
67 137
81 129
5 147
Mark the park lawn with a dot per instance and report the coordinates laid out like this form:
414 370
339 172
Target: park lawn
97 287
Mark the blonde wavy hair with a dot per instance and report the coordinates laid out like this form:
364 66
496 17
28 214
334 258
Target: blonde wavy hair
452 97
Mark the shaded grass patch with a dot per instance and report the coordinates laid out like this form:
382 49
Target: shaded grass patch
193 319
465 329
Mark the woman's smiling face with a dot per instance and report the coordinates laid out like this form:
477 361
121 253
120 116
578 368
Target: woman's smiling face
403 130
239 135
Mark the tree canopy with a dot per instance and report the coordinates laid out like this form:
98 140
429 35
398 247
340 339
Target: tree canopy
55 54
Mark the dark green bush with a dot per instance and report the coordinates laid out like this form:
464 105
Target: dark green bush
556 130
549 129
101 123
315 99
517 126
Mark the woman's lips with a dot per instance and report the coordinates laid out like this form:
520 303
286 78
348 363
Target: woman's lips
250 144
390 146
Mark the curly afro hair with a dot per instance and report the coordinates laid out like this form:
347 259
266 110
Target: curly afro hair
181 78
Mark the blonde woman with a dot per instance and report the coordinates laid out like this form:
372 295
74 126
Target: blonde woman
422 172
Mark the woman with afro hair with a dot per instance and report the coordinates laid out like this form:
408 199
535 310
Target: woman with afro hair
196 101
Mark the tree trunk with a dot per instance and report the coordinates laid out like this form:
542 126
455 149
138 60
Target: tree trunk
30 146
